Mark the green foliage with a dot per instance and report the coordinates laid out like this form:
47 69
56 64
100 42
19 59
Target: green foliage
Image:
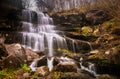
2 74
87 31
63 50
26 67
35 77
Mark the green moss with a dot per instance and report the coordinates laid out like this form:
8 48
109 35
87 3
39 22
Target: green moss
96 32
108 25
35 77
25 67
87 31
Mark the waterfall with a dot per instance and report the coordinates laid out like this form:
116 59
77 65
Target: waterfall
40 35
90 68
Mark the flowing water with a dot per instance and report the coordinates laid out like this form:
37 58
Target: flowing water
90 68
41 36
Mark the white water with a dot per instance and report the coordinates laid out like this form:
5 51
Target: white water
90 68
33 66
41 36
50 63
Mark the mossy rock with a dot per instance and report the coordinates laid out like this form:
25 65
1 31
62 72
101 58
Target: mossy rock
87 31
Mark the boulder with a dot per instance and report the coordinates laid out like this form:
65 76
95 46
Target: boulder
16 56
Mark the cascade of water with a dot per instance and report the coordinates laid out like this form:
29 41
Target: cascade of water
91 48
41 36
90 68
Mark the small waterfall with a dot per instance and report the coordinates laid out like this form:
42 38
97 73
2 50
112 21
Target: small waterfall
90 68
50 63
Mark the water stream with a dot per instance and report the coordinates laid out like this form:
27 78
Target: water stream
90 68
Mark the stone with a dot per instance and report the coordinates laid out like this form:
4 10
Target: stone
116 31
42 71
16 56
31 55
26 75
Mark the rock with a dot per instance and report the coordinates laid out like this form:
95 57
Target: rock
42 71
26 75
31 55
114 56
77 19
116 31
96 16
105 76
43 61
16 56
66 68
22 74
77 76
94 51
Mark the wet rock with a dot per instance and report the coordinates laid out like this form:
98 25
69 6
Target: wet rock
16 56
96 16
43 61
42 71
